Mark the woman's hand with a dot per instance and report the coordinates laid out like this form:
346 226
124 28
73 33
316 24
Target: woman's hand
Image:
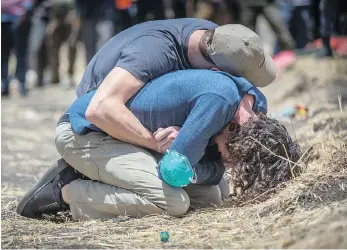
165 137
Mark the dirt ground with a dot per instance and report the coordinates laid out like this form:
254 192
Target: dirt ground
308 212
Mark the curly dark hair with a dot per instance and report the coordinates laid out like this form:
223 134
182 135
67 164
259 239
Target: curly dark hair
263 155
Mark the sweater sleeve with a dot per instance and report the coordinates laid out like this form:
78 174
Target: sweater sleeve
209 115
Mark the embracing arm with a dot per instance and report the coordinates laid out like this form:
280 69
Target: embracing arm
136 66
108 112
209 115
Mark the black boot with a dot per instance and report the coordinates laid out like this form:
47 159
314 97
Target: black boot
45 197
23 90
326 50
4 88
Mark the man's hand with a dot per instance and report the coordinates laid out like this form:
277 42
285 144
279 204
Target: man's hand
108 112
165 137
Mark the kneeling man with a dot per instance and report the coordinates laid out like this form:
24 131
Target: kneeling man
194 112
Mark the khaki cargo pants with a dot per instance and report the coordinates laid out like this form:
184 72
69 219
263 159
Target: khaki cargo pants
124 179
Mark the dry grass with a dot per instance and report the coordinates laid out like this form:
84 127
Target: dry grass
308 211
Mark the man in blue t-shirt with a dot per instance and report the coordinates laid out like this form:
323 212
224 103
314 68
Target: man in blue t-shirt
220 122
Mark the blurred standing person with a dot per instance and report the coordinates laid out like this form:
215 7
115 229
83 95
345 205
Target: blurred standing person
154 6
328 14
63 27
249 10
126 11
37 39
15 27
296 14
212 10
97 19
190 7
179 8
204 9
315 16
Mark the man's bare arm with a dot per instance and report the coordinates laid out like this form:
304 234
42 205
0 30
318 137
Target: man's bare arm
108 112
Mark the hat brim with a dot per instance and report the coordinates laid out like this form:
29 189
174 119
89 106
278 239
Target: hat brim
263 76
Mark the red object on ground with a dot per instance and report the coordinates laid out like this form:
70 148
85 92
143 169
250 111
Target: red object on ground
337 43
123 4
284 59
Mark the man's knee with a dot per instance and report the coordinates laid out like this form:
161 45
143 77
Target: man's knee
63 137
214 197
178 202
202 196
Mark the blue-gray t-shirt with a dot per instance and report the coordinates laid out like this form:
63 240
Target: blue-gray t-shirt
201 102
146 50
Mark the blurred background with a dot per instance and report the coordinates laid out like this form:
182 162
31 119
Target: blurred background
50 41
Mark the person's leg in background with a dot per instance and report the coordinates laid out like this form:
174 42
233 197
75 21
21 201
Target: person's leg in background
6 46
234 9
205 10
286 10
248 16
72 37
54 42
315 16
302 26
105 30
142 10
126 20
342 19
212 10
158 9
42 61
106 24
37 48
63 18
89 36
329 9
126 11
273 16
299 23
72 50
97 24
21 45
191 7
179 8
154 6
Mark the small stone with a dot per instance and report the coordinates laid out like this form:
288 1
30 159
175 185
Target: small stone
164 236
